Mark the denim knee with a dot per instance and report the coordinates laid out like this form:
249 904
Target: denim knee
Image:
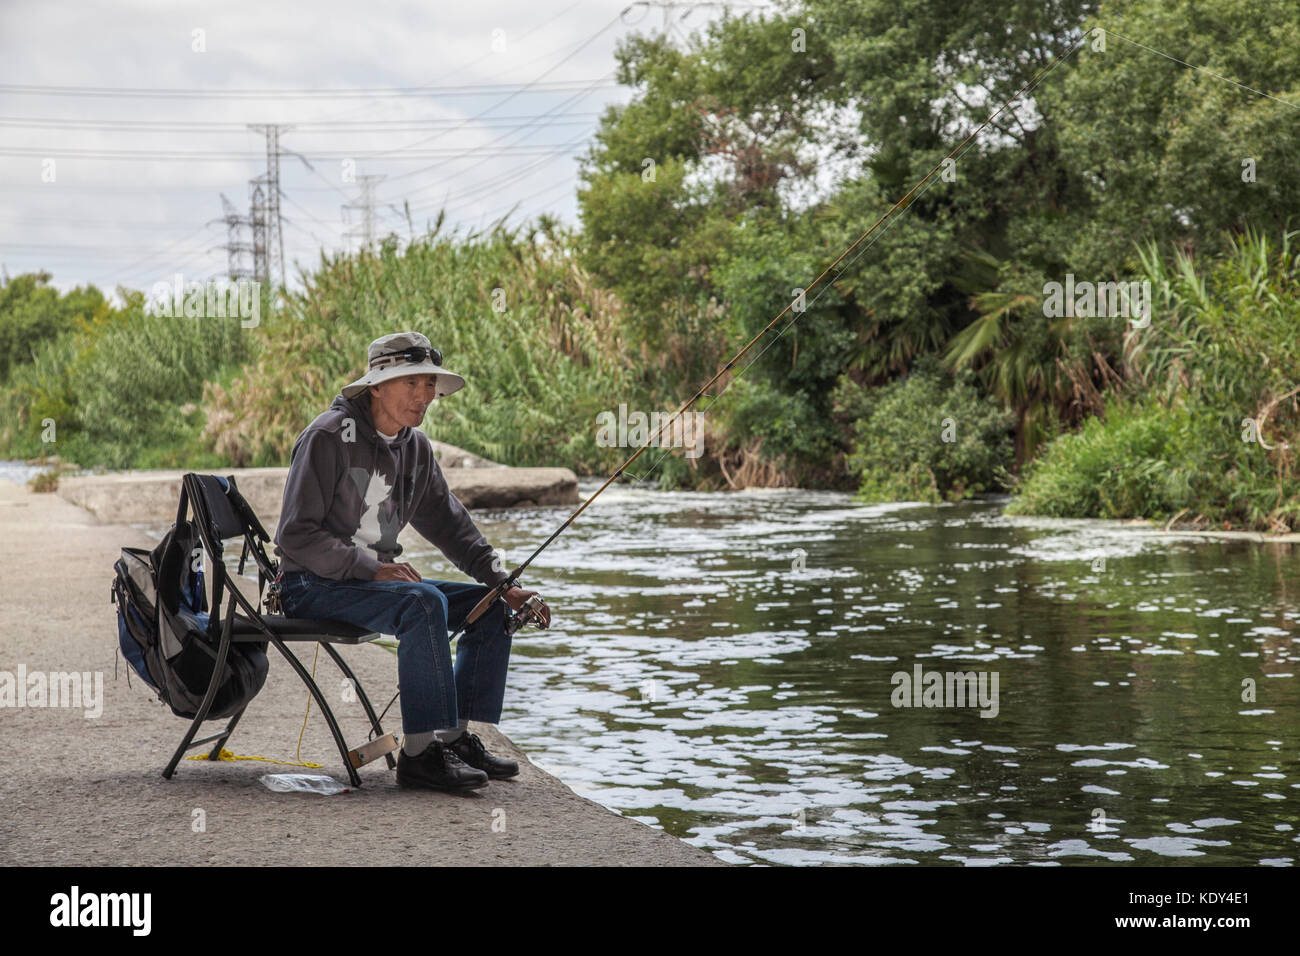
427 600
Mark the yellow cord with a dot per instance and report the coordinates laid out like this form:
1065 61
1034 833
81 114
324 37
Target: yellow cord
308 710
227 755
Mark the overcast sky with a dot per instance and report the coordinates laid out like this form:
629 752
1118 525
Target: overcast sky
473 106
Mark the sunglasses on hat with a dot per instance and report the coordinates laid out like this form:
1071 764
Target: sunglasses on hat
414 355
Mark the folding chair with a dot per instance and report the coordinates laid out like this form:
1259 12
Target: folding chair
221 512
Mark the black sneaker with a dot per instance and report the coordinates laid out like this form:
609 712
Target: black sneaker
471 750
437 768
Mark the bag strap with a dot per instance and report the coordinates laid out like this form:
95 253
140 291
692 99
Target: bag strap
254 534
218 585
185 501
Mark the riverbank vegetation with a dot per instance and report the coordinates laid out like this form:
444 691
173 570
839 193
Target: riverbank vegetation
931 363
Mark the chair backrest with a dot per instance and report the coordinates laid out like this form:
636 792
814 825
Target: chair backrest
221 513
226 512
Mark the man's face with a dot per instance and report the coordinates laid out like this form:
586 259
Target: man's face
405 399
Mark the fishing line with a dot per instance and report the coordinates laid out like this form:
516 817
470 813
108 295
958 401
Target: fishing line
1199 69
902 203
961 148
809 304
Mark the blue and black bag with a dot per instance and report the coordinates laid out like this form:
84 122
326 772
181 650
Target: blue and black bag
164 631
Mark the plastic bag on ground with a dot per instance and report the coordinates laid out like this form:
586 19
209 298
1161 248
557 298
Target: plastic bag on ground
302 783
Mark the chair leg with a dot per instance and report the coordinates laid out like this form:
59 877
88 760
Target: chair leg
215 754
324 707
180 751
365 701
217 670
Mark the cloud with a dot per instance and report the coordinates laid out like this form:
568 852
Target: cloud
136 220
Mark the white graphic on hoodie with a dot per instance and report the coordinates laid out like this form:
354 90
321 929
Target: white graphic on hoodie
375 490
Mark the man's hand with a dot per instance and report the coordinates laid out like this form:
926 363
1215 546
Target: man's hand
516 597
397 572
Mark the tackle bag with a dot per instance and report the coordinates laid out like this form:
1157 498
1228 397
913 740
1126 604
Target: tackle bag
165 633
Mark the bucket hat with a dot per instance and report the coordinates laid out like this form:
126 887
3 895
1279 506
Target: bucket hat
404 353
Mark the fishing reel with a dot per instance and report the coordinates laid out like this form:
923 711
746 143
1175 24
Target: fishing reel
530 613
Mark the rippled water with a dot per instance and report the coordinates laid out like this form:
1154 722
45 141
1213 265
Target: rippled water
19 471
693 680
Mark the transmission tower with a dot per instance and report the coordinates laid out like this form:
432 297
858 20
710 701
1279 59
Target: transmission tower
365 204
274 226
236 248
257 219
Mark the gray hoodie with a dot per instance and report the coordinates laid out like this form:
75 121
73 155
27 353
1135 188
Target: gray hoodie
350 492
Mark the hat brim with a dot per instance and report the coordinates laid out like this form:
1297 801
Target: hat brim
447 381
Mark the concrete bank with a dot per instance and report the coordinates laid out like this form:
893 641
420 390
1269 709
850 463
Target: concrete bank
88 790
152 495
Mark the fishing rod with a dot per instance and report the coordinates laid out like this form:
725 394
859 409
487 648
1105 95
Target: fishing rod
524 613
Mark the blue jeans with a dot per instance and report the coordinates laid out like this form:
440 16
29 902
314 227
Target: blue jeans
423 616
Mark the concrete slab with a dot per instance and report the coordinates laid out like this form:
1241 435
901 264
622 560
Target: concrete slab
135 496
78 790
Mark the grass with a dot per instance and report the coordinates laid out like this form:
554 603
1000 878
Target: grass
537 342
1208 428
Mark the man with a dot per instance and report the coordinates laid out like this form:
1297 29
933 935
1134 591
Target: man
357 475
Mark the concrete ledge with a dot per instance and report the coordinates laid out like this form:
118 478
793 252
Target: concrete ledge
132 496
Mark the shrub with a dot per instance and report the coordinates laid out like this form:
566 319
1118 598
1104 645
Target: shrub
927 437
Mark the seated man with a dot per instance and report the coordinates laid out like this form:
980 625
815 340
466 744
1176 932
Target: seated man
357 475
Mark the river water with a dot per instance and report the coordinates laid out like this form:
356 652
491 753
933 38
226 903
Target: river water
729 667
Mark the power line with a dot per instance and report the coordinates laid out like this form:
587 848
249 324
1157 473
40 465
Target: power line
306 212
322 245
167 250
78 221
668 7
150 190
207 156
563 184
264 216
461 69
528 86
472 150
477 89
345 126
72 246
503 179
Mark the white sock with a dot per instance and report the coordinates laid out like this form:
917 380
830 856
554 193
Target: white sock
451 734
415 744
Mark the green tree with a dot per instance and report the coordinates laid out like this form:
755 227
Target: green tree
927 437
1172 153
33 313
